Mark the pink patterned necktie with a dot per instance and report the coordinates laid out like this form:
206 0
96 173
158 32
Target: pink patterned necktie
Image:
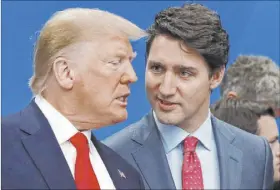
191 170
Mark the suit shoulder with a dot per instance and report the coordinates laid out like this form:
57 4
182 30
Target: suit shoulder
122 138
10 122
11 137
245 139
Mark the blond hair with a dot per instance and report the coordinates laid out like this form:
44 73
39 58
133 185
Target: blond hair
70 26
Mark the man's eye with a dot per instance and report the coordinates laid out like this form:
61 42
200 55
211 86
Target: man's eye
115 62
156 68
185 73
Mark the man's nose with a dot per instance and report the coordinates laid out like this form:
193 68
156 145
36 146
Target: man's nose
168 87
129 76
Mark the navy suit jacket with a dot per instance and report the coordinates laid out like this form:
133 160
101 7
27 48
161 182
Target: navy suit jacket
245 160
32 157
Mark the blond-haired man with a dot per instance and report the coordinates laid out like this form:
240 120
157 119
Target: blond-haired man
82 72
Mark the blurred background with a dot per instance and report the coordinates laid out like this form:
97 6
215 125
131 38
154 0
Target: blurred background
253 27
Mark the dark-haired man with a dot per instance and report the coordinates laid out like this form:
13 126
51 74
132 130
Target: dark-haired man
179 145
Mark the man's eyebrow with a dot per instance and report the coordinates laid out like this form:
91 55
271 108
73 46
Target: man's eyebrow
177 66
134 54
180 66
154 62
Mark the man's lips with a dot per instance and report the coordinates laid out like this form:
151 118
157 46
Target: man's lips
164 101
166 105
123 98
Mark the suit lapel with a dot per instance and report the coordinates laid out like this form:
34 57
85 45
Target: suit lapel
230 157
44 150
150 157
111 165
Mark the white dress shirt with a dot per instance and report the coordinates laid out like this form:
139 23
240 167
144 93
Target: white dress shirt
172 138
63 131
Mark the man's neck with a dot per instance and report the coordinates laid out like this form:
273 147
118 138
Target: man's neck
195 121
70 111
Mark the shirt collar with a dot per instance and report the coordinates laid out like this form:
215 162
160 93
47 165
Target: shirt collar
172 136
63 129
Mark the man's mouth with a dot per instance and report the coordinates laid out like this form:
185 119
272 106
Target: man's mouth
165 102
166 105
123 99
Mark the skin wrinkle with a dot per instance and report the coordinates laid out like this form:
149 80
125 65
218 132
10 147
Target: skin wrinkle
86 71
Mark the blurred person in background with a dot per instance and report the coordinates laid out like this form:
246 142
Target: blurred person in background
255 78
253 117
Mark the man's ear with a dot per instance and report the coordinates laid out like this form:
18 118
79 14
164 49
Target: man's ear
63 73
217 78
231 94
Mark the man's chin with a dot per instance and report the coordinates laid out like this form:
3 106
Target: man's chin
120 117
167 118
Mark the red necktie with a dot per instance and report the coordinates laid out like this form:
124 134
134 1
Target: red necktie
191 170
85 177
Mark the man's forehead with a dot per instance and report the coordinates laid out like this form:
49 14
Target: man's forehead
122 42
115 46
179 56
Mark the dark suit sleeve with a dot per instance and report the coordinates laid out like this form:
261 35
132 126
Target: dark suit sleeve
268 170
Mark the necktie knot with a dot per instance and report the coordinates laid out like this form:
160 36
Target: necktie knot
190 144
79 141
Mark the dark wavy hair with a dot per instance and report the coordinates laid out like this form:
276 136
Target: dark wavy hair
197 27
